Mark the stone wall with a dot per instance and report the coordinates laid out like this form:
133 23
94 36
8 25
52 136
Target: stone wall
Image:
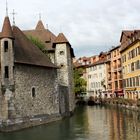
65 72
71 80
7 59
22 123
63 100
51 55
7 75
45 99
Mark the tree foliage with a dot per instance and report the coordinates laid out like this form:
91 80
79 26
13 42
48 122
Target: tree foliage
79 82
103 84
37 42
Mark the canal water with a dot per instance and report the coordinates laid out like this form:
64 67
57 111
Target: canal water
88 123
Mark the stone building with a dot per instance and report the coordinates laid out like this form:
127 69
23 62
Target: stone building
35 89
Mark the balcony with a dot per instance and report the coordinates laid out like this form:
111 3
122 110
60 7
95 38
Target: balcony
115 78
119 68
109 80
109 69
120 76
116 88
115 67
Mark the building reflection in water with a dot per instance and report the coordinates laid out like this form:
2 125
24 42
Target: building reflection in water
124 125
88 123
112 124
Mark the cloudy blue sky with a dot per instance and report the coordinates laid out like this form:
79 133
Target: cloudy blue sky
90 25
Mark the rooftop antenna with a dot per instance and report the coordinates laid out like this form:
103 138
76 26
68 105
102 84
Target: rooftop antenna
60 29
13 13
6 8
39 16
47 26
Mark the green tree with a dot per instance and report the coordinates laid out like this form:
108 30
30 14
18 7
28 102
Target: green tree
37 42
103 84
79 82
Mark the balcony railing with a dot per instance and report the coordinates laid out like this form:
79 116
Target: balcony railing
120 77
119 66
109 69
115 67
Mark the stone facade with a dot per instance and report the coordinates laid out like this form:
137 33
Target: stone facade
64 102
7 59
34 89
51 55
21 102
64 61
44 81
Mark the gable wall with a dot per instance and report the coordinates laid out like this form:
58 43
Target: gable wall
46 98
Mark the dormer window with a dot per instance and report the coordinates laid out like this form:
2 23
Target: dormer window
5 46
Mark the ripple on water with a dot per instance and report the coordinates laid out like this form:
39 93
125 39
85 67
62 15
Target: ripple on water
88 123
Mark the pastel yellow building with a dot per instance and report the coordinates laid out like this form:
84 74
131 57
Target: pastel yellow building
130 52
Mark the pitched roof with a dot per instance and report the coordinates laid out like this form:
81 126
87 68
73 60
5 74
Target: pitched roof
40 25
114 48
44 35
27 53
6 29
47 37
134 37
127 33
61 39
98 62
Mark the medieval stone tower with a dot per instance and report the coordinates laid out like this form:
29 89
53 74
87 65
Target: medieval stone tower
61 54
7 67
34 90
63 59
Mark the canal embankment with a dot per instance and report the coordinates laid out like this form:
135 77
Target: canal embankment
133 105
27 122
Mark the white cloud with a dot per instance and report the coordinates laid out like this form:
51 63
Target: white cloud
90 25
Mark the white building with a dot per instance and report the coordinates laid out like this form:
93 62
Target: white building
97 79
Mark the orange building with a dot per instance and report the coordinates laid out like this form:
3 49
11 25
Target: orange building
114 72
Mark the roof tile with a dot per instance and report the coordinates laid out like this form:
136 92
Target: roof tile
27 53
6 29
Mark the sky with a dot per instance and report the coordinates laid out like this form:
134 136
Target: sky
91 26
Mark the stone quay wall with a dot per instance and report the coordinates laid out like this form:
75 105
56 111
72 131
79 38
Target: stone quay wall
28 122
133 105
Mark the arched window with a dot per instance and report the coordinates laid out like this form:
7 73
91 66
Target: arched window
5 46
33 92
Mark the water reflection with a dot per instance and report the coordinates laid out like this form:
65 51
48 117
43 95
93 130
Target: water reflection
88 123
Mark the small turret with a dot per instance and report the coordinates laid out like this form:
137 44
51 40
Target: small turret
40 25
7 69
63 59
6 29
7 54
